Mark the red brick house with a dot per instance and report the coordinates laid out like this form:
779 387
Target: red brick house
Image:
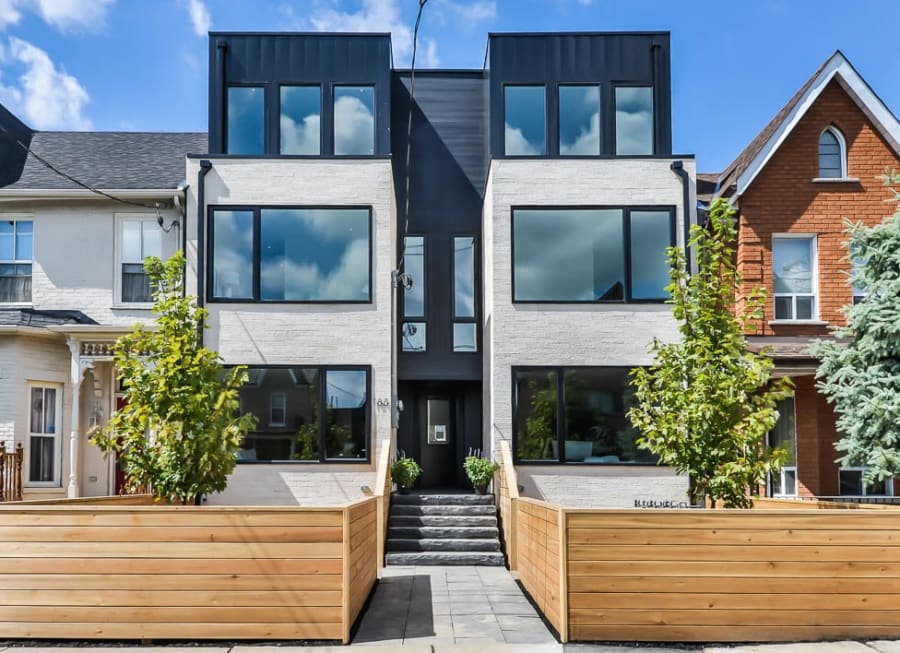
814 165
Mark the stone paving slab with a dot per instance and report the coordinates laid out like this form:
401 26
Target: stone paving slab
884 646
806 647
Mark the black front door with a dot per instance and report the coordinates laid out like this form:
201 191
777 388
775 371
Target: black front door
440 423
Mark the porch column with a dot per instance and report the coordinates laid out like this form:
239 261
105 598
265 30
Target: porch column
76 373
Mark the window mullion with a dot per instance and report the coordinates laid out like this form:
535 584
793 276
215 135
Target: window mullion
323 411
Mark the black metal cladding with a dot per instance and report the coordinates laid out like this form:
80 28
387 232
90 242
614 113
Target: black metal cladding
608 59
448 164
273 59
12 155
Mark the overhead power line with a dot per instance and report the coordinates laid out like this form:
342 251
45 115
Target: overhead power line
69 177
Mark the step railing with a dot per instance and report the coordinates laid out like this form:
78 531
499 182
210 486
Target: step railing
11 473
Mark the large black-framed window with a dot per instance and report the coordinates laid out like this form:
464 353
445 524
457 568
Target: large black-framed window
635 132
290 254
574 415
580 119
323 414
591 254
300 119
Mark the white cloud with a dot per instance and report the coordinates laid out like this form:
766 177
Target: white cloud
69 14
373 16
46 96
473 12
199 16
61 14
431 55
517 144
587 141
354 127
300 137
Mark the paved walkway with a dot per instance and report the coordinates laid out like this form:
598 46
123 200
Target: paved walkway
450 605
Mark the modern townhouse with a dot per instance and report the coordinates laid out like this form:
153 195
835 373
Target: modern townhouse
491 258
815 165
72 281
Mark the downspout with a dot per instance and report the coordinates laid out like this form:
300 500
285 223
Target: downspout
678 168
205 167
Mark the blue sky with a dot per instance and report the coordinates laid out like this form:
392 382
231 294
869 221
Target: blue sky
142 64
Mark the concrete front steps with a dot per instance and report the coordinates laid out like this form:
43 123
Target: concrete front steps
443 529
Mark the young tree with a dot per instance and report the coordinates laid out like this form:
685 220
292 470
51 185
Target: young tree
705 405
178 432
860 370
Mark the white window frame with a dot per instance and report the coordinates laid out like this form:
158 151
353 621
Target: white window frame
888 483
121 219
854 265
57 436
842 147
814 264
14 218
280 405
789 468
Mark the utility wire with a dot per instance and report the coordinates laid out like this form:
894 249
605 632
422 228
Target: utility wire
69 177
412 95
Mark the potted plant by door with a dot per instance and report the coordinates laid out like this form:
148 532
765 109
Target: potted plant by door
480 472
404 473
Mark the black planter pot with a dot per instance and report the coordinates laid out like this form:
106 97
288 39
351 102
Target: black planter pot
480 489
402 490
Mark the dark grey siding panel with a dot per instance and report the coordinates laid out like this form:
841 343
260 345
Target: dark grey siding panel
607 59
12 155
273 59
449 164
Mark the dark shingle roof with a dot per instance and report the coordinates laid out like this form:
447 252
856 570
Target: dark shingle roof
126 160
706 186
730 175
29 317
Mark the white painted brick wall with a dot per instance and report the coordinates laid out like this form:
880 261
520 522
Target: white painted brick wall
74 257
294 485
602 486
573 334
298 334
42 360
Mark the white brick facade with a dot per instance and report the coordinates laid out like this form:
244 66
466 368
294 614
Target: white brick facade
568 334
306 334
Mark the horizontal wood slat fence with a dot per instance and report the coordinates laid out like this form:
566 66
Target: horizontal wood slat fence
781 572
184 572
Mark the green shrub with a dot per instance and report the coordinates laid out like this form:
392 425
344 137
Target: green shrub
405 471
480 470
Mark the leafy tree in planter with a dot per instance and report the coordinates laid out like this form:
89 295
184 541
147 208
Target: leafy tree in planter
706 404
178 432
860 372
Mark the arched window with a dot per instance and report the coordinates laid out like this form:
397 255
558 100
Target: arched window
832 154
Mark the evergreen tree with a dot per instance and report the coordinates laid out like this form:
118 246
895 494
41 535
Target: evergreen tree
706 403
860 370
178 432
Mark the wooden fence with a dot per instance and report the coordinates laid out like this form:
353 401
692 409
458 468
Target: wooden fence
506 492
383 497
184 572
11 473
711 575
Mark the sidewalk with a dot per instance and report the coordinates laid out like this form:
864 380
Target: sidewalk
496 647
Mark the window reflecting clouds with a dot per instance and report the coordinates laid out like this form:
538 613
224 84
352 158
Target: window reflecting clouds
414 266
465 337
354 120
650 235
568 255
464 276
579 120
246 120
232 261
525 122
634 120
300 119
346 398
314 255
